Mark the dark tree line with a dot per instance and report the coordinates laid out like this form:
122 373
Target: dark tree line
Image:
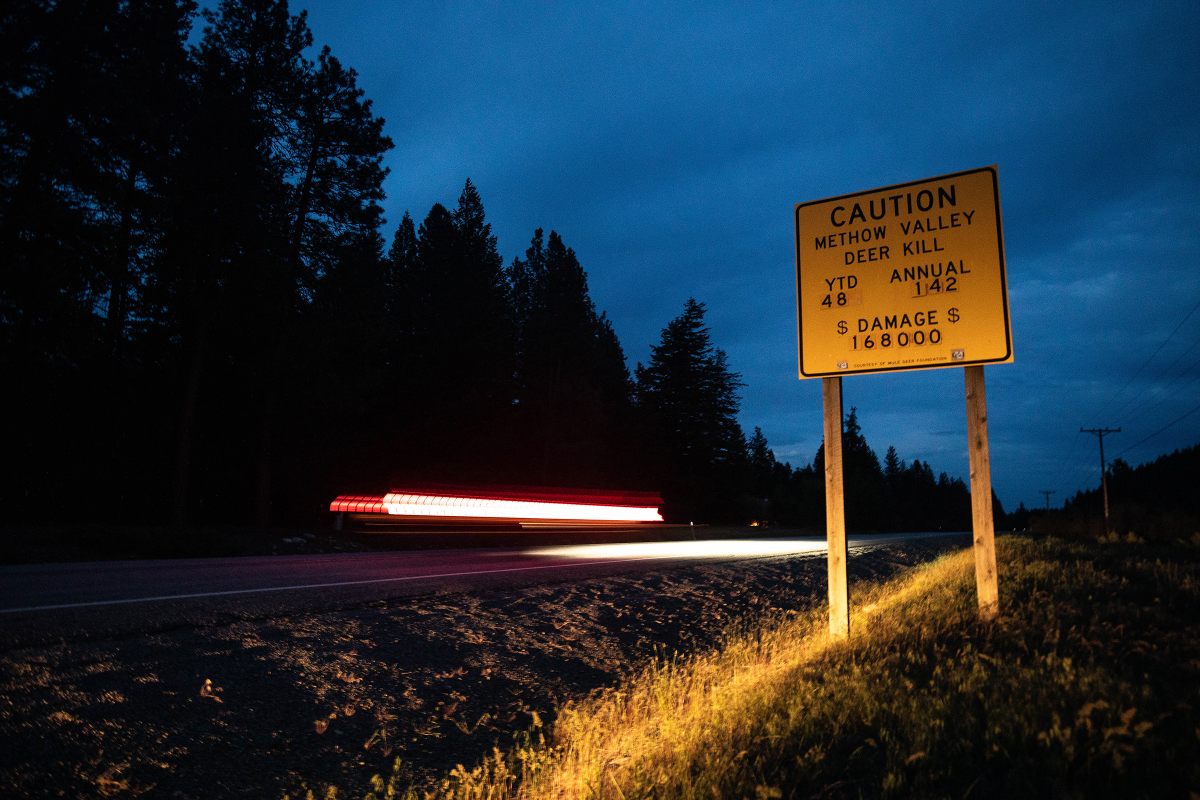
892 496
169 214
1155 501
202 320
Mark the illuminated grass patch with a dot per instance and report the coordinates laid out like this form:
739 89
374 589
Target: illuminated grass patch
1087 686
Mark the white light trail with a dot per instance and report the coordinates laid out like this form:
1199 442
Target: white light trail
423 505
711 548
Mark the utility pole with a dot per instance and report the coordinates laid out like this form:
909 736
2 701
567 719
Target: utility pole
1100 433
1046 493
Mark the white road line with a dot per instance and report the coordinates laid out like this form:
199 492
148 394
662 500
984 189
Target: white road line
230 592
407 578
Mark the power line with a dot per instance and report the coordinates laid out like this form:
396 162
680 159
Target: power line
1146 363
1131 403
1128 409
1175 421
1171 392
1073 469
1069 464
1046 493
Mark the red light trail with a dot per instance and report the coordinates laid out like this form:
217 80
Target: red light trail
423 505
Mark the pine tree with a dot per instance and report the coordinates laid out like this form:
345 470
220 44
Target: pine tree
892 465
762 463
918 502
401 260
430 316
767 479
345 423
336 172
485 322
88 125
893 476
528 278
459 356
862 477
573 386
333 189
690 398
277 180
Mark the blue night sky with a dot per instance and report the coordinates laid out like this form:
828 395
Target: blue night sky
668 144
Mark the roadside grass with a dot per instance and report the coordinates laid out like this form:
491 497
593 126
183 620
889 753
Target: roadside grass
1087 686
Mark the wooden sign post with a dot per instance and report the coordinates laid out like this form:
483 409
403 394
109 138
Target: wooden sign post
982 523
835 511
902 278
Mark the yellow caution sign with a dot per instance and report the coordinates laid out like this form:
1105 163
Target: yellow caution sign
903 277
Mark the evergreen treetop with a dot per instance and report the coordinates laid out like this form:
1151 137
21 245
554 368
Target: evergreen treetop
690 399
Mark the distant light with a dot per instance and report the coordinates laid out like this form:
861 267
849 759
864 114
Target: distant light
714 548
420 505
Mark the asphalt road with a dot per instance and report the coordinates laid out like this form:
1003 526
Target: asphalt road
46 588
269 676
45 603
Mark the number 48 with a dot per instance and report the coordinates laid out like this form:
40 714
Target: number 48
831 300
